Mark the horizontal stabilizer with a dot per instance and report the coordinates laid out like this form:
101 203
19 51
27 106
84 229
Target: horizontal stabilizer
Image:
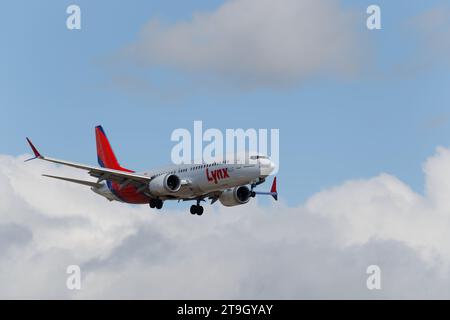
83 182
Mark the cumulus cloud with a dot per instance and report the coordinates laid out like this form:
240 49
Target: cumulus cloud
320 249
257 42
386 208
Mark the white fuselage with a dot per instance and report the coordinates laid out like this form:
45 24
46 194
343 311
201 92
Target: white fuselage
202 179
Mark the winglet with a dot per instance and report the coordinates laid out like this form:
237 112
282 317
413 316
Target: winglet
273 190
35 151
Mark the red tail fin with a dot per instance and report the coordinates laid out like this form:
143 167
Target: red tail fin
105 154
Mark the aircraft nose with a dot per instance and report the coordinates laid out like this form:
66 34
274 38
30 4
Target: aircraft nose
272 166
266 167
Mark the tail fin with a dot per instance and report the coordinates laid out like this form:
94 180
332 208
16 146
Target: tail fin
105 154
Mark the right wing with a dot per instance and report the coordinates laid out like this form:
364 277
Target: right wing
121 177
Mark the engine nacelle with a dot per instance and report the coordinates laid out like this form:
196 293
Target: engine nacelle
164 185
234 197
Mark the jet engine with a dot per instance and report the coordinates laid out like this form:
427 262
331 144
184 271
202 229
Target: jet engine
234 197
163 185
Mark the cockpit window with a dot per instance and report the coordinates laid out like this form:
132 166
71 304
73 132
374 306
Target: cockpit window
258 157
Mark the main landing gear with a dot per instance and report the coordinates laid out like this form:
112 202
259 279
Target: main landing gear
156 203
197 209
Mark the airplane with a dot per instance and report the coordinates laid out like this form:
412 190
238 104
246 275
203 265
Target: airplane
222 181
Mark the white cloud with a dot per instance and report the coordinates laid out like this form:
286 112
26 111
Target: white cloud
317 250
257 42
386 208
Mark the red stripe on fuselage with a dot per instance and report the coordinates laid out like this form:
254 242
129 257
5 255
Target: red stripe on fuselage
129 194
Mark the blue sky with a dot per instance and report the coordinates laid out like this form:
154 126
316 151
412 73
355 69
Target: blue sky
56 86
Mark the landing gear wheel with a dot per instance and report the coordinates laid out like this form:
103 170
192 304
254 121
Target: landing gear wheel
196 209
156 203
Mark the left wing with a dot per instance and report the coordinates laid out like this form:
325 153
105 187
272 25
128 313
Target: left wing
121 177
